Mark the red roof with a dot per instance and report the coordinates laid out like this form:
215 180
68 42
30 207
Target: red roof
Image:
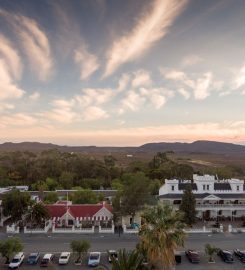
76 210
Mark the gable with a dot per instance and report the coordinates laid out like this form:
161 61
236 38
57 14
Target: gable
211 197
103 212
67 215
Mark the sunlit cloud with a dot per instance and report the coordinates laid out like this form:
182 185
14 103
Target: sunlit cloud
153 25
18 119
34 42
239 79
141 78
94 96
94 113
9 90
202 85
87 62
11 57
186 94
123 82
34 96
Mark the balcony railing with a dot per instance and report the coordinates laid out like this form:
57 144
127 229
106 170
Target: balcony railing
238 206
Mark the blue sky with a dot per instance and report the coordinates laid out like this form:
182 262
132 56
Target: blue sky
105 72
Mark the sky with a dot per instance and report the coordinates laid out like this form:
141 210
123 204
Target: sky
122 72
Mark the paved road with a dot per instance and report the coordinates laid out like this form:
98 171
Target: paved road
56 243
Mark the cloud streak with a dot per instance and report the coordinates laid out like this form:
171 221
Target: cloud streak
150 28
87 62
34 42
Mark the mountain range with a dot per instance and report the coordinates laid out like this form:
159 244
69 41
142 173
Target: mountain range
212 147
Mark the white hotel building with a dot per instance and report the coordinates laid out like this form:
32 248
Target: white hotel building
215 199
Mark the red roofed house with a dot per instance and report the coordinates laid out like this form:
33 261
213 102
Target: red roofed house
67 214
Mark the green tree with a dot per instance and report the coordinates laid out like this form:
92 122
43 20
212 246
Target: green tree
15 204
51 197
51 183
135 193
9 247
128 261
210 250
84 196
38 214
188 206
66 179
79 247
161 234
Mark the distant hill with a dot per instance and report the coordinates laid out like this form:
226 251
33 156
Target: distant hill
194 147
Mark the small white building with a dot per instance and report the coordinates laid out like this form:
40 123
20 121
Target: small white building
215 199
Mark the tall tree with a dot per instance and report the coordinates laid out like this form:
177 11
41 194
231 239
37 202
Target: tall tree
38 214
135 193
9 247
188 206
161 234
15 204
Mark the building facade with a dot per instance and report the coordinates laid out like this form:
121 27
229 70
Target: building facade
215 199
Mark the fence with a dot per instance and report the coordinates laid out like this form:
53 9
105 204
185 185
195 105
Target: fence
73 229
48 226
106 230
13 229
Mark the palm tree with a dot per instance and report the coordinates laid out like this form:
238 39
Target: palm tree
37 214
210 250
161 234
128 261
78 247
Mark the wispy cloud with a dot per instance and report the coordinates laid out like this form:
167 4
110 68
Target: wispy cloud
141 78
35 96
87 62
151 27
34 42
239 79
191 60
201 85
93 113
11 57
18 119
9 90
94 96
123 82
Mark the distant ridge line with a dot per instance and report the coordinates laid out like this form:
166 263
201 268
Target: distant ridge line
203 146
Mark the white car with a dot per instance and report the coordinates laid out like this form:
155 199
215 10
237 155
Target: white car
112 253
64 257
47 258
17 260
94 258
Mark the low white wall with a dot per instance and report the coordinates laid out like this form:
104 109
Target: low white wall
39 230
72 230
106 230
12 229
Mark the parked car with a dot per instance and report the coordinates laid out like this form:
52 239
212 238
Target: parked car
240 254
94 258
33 258
226 256
112 253
64 257
193 256
47 258
17 260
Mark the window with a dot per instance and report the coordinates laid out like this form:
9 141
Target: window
207 187
203 187
172 188
237 188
